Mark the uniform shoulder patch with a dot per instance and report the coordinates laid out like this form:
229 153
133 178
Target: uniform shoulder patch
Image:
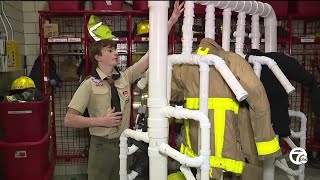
96 81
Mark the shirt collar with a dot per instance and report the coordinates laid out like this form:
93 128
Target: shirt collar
102 75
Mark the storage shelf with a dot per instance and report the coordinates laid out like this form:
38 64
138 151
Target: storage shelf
64 40
65 53
299 40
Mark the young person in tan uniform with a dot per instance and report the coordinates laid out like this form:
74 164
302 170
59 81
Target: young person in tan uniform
95 93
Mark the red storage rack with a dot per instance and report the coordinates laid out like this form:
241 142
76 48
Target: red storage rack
305 8
140 5
280 7
107 5
24 122
26 160
66 5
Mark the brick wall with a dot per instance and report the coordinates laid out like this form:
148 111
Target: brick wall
31 29
14 12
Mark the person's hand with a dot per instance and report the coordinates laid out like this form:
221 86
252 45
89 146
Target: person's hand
177 11
112 119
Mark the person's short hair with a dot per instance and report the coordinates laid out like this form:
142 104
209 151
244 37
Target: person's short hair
96 47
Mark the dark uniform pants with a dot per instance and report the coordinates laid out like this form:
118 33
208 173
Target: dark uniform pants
104 163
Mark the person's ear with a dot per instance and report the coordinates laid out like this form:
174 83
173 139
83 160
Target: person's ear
97 57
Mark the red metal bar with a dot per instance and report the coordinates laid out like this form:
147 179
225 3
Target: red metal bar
290 34
90 12
41 53
129 63
86 44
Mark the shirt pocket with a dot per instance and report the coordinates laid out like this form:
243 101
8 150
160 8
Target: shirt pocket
123 88
100 90
100 98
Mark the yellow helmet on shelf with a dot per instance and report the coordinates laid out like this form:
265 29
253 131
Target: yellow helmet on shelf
98 30
22 82
176 176
143 28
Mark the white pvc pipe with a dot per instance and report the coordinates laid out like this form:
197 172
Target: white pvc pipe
302 135
123 158
132 175
132 149
284 162
210 25
288 170
303 127
226 26
187 172
205 125
188 22
181 158
169 77
240 33
268 169
254 7
124 151
158 125
255 32
219 64
275 69
290 142
142 83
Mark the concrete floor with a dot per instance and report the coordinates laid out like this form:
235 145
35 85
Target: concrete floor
310 174
312 171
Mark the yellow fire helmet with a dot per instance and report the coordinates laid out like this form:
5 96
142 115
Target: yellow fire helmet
97 30
176 176
22 82
143 28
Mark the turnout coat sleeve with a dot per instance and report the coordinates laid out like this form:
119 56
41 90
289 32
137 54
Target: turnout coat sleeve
176 85
259 106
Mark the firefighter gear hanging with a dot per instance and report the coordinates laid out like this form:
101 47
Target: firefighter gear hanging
223 111
98 30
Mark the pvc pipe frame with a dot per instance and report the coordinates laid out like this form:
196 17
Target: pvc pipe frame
217 62
257 61
158 123
302 135
125 151
203 160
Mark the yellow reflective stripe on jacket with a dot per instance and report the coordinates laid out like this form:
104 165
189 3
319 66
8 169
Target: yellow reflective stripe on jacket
223 163
202 52
268 147
187 130
227 164
220 105
214 103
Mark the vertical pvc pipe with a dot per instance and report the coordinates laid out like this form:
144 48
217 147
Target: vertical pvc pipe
270 24
169 77
226 29
240 32
188 22
210 22
203 96
255 32
123 158
158 126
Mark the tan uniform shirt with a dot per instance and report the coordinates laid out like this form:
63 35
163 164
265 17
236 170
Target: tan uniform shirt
95 94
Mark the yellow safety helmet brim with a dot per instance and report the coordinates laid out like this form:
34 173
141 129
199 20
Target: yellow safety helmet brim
176 176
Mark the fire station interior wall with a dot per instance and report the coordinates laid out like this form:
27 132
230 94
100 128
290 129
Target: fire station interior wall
14 12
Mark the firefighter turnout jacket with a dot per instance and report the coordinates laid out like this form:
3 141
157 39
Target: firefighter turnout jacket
223 111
